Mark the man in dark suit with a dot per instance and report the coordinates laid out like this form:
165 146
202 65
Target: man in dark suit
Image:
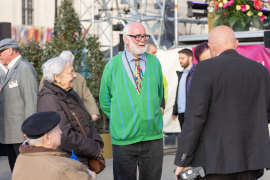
227 114
179 107
18 97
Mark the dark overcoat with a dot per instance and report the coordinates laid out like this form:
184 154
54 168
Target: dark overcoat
53 98
227 116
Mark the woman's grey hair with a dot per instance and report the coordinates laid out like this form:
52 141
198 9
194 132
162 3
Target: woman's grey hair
54 66
33 142
67 54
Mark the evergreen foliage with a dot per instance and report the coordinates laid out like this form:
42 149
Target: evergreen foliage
68 36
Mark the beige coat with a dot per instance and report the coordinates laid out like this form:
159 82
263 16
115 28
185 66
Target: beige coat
48 165
83 91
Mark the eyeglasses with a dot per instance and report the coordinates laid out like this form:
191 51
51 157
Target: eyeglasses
139 37
72 73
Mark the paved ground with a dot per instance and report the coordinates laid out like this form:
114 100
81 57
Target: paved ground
107 174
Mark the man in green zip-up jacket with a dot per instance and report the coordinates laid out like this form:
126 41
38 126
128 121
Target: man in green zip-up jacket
130 95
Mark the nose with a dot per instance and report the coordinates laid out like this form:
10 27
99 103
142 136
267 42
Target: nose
143 39
74 75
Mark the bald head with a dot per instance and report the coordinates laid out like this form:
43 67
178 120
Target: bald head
152 49
220 39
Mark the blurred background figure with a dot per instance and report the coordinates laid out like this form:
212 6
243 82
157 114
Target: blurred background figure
80 87
18 97
39 158
152 49
57 95
202 52
179 108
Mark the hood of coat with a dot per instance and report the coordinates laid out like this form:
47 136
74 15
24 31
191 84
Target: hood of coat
49 88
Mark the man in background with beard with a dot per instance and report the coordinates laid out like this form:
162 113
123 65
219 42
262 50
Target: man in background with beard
130 95
185 58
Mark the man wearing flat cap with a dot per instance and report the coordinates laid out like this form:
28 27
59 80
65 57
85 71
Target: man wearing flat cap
18 97
39 158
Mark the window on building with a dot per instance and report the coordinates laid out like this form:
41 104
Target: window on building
27 12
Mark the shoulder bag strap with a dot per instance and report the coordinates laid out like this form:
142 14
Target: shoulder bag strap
79 124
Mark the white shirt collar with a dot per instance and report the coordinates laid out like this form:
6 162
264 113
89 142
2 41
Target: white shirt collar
184 71
220 52
6 70
11 64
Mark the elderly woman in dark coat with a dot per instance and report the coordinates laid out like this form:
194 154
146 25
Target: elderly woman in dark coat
57 95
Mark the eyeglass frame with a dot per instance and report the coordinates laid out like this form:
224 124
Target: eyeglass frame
71 73
144 37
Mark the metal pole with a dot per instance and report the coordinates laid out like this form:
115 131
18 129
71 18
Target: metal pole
55 17
79 9
111 48
175 23
97 12
93 17
161 23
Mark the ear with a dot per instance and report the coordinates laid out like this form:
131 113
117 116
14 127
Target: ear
10 51
211 47
56 78
190 59
126 39
236 43
46 139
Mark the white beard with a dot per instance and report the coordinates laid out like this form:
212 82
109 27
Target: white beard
135 48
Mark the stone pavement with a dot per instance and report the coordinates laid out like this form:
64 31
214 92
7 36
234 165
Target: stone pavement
107 174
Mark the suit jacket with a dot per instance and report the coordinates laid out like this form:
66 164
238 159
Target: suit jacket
17 103
80 87
175 106
227 116
2 77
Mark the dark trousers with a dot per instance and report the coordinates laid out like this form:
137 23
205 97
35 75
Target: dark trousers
247 175
12 152
181 118
147 155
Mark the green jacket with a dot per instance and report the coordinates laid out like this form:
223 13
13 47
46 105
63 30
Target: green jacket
133 117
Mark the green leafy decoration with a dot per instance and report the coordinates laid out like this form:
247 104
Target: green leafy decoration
68 36
233 20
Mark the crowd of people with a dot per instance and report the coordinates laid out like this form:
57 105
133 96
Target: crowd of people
222 104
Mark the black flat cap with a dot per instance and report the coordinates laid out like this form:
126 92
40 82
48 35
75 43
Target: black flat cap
38 124
8 43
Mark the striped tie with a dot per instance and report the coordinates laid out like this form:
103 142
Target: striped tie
138 75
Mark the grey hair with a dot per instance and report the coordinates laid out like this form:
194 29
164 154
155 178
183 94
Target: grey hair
66 54
54 66
126 31
33 142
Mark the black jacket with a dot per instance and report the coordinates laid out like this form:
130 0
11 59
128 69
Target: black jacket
175 106
53 98
227 116
162 105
